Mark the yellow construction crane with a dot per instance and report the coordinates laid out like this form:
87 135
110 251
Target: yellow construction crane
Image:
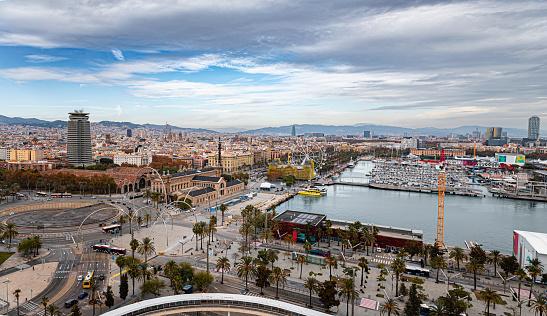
440 208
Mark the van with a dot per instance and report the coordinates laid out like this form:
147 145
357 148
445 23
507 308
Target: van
70 303
188 289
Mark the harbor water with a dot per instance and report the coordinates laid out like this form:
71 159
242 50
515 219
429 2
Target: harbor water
489 221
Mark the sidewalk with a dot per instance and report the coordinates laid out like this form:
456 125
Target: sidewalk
17 259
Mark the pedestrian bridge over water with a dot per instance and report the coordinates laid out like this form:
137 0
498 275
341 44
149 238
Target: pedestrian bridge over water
213 302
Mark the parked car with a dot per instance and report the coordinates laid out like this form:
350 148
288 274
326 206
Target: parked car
82 295
93 197
378 249
70 303
188 289
144 225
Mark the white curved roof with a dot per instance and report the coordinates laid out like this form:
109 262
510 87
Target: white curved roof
213 296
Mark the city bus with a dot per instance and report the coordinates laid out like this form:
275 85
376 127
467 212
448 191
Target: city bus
109 249
87 280
108 229
61 195
417 271
41 193
320 253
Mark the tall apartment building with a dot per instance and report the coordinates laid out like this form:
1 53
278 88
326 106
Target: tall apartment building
5 153
26 155
533 128
129 133
493 133
293 131
79 139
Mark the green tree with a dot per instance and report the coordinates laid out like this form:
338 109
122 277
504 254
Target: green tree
398 266
202 280
223 209
311 284
109 296
495 258
153 286
521 274
533 272
331 262
539 305
509 264
439 309
402 290
16 293
171 270
278 277
438 263
457 301
489 296
134 245
53 310
10 231
134 272
389 306
223 264
146 248
327 294
75 311
301 260
458 254
347 291
120 262
245 269
44 302
262 278
363 264
124 286
272 256
412 306
475 266
94 287
478 254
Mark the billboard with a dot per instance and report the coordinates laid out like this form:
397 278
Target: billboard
511 159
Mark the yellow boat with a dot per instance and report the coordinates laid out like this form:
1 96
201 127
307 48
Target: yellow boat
311 192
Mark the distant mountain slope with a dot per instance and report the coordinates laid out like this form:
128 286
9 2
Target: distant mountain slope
378 130
58 123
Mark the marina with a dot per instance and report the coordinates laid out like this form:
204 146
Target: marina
488 221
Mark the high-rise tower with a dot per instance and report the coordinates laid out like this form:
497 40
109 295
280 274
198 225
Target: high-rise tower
293 131
79 139
533 128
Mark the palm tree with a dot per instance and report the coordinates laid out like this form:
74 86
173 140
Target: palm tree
474 266
439 309
301 259
147 218
10 231
277 277
521 274
94 287
289 240
196 232
45 301
120 262
246 269
134 272
539 305
438 263
130 215
245 230
121 221
345 244
398 267
388 307
495 258
16 293
139 221
458 254
146 248
223 264
307 248
347 291
170 269
328 225
331 262
489 296
134 244
533 271
53 310
363 264
222 209
272 256
311 285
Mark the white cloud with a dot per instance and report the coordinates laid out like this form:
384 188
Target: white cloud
118 54
44 58
119 110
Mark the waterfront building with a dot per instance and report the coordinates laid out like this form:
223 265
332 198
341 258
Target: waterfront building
528 246
533 128
436 152
79 139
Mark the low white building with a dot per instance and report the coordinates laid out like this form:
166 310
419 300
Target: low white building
528 246
137 160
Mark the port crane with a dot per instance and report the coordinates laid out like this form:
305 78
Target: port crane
440 202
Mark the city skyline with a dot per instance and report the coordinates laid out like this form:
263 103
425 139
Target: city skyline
254 65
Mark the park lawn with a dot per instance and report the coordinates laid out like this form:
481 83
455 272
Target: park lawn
4 256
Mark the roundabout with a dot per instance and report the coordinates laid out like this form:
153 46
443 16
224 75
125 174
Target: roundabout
57 218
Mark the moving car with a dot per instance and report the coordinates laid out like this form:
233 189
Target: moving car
82 295
80 278
101 276
70 303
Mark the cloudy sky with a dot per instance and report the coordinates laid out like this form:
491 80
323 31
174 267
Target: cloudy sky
248 63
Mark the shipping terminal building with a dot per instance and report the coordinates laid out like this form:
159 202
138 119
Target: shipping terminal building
294 223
